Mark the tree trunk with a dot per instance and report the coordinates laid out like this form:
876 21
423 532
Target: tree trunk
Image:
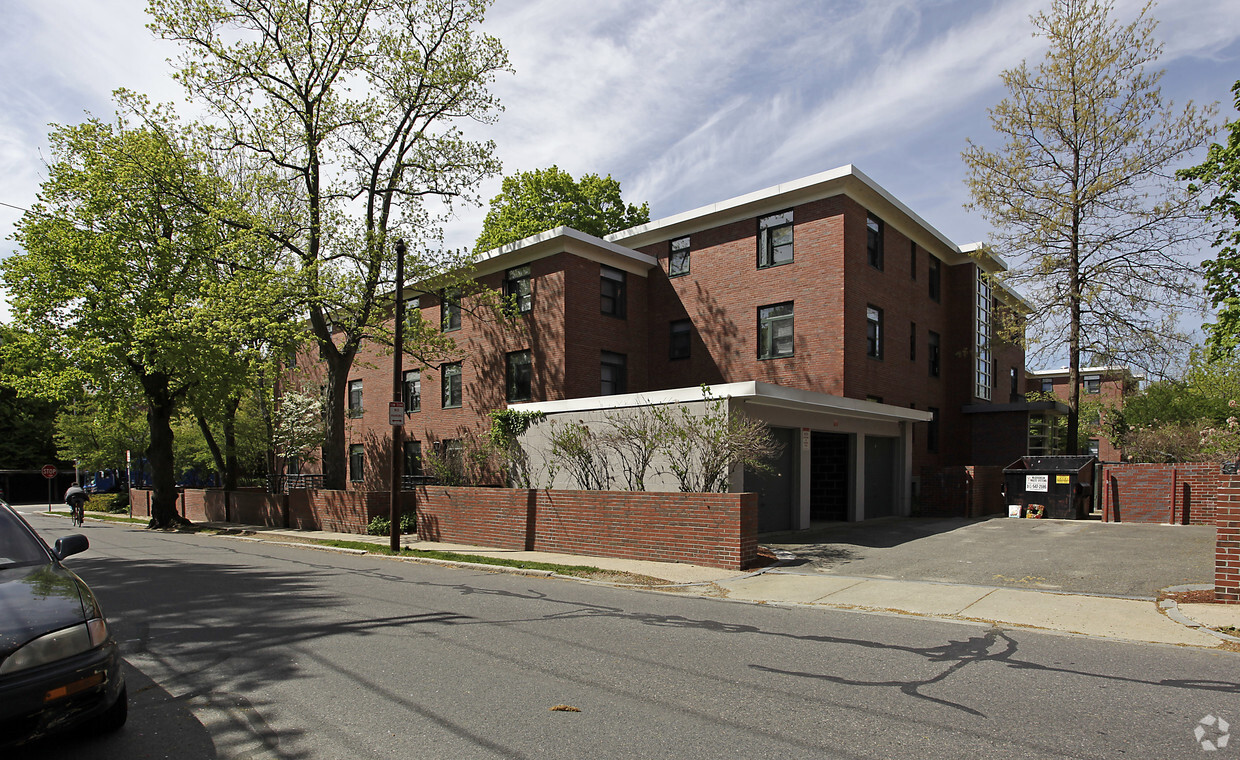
159 407
212 444
230 443
335 456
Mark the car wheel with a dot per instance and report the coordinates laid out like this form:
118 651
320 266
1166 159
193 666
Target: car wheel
114 717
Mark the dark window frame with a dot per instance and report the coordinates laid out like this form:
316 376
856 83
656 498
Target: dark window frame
413 464
411 392
874 241
357 463
936 280
912 255
873 331
450 310
683 254
519 376
355 398
620 381
770 250
912 341
934 345
769 322
613 290
932 429
452 375
680 339
519 287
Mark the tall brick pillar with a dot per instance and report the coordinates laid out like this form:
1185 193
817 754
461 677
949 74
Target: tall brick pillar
1227 543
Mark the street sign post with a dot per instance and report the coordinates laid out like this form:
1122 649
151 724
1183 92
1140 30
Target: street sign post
49 472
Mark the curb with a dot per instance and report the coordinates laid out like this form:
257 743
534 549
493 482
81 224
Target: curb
1172 610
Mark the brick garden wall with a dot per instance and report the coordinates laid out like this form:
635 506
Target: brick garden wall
1181 494
1227 544
961 492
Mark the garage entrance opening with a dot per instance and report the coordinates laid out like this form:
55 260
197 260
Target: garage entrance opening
828 477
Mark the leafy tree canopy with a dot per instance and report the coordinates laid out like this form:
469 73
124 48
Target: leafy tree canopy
1220 174
536 201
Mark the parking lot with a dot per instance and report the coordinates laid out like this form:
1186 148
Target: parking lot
1080 556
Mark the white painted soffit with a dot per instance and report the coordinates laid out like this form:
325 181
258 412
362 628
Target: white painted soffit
752 392
1063 372
847 180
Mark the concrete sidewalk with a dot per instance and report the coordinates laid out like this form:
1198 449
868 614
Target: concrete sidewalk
1087 614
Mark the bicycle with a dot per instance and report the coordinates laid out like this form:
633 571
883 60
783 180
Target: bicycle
77 513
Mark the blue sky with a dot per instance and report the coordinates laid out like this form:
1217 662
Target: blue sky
686 103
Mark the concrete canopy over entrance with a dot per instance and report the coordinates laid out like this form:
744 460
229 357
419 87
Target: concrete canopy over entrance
863 466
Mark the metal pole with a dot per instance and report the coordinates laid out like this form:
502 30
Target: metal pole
398 351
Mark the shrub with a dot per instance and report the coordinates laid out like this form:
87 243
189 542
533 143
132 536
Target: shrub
380 525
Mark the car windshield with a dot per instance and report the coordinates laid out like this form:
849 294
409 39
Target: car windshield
18 546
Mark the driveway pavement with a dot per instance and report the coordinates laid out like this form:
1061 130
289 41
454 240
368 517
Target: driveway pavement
1076 556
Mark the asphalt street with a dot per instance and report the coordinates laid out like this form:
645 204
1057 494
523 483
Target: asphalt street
240 648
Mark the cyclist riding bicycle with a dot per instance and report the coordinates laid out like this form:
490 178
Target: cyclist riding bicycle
76 498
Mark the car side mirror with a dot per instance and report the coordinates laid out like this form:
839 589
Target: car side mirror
70 545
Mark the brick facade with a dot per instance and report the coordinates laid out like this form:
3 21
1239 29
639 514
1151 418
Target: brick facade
1227 544
961 492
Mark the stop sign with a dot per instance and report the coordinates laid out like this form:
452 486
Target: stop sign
49 471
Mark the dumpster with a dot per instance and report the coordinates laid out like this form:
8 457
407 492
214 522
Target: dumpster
1050 486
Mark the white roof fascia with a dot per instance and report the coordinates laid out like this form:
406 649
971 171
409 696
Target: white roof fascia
1063 372
756 393
846 180
564 239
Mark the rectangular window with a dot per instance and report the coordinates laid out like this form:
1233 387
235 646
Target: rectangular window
874 240
678 261
775 331
355 398
984 365
613 282
452 385
1048 385
912 341
517 289
357 461
932 430
614 374
1093 384
935 272
932 346
874 332
775 239
1014 391
518 376
912 259
413 391
450 310
413 458
681 331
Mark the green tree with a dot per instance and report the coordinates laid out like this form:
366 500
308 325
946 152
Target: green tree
1082 192
29 423
543 199
350 105
117 268
1220 174
96 432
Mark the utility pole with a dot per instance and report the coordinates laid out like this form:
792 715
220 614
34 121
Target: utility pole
396 410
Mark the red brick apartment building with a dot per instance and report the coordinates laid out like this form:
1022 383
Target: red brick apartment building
1108 386
823 306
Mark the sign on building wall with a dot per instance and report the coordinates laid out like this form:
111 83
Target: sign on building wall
1036 483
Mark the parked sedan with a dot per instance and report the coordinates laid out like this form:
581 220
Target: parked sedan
59 666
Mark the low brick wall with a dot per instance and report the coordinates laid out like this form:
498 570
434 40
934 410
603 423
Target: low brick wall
1180 494
715 530
966 491
1227 544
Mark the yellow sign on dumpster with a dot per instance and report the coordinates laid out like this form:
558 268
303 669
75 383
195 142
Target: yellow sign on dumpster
1063 478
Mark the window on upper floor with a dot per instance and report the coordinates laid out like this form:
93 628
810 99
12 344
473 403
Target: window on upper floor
932 347
357 462
681 330
614 371
936 270
612 282
912 259
984 365
1014 377
450 310
1048 385
874 332
517 289
518 376
413 391
912 341
1092 383
775 239
775 331
452 385
355 398
932 430
678 260
874 240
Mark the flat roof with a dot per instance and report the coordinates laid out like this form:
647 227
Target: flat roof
758 393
